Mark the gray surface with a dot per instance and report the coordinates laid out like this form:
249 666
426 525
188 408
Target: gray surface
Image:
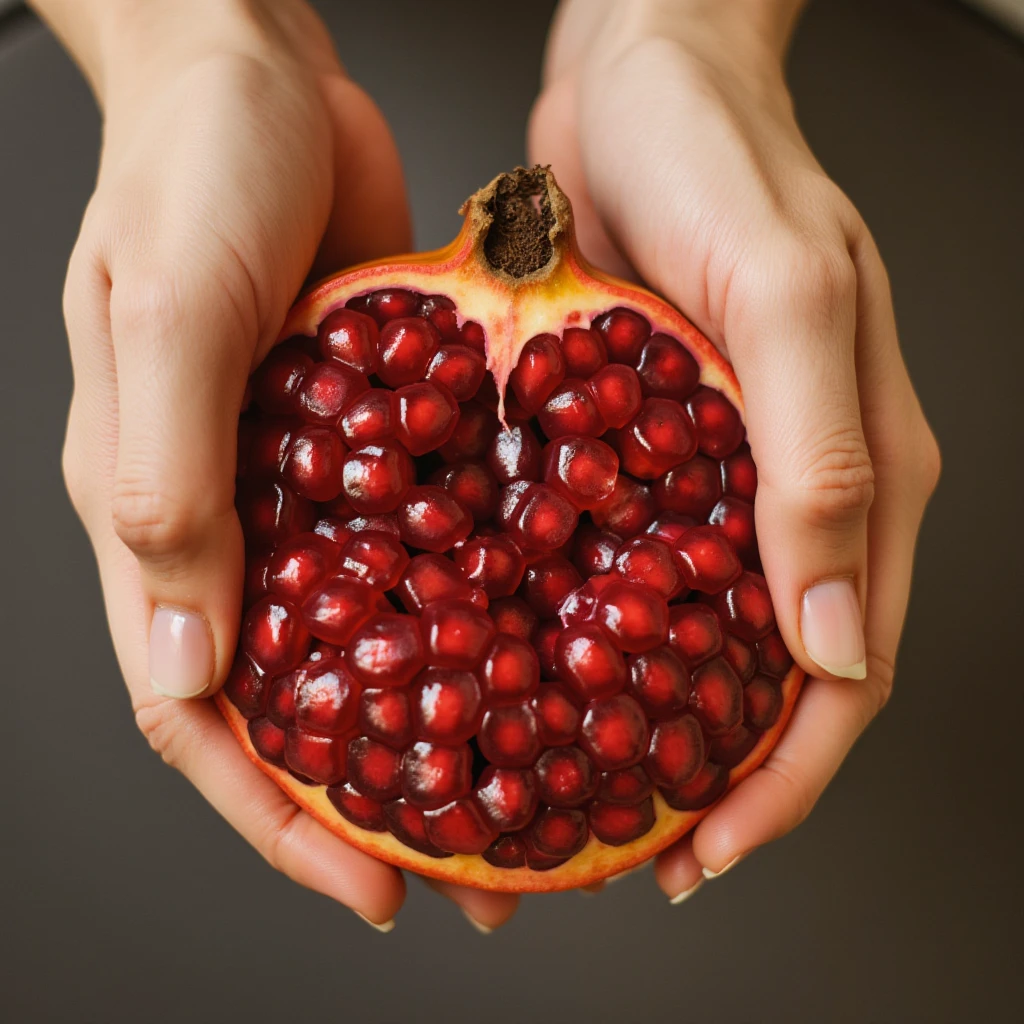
125 898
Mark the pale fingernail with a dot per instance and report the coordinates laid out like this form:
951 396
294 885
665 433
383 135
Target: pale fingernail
686 894
481 928
180 653
832 629
708 873
385 927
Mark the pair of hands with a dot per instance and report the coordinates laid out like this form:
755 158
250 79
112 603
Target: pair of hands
237 156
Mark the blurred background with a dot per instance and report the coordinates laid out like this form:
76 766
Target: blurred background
125 898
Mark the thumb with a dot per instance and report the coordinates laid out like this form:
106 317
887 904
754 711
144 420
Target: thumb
792 344
183 349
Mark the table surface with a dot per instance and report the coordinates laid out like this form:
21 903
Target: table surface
126 898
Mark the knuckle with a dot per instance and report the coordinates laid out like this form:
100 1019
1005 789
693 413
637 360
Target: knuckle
76 477
799 795
880 677
838 485
930 462
818 275
277 840
152 523
145 300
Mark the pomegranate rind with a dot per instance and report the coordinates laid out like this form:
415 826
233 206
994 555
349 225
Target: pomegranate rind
566 292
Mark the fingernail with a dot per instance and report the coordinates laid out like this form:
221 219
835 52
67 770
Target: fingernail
832 629
481 928
708 873
686 894
180 653
385 927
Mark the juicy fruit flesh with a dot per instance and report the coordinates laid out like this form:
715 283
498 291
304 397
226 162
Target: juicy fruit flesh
507 639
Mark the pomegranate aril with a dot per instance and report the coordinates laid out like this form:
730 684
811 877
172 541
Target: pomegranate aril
508 736
255 586
507 797
594 551
405 823
716 698
540 369
628 786
739 475
510 671
326 698
676 752
513 616
425 416
745 608
433 775
659 681
773 658
616 393
328 390
277 380
566 777
506 852
472 334
319 758
369 418
571 409
649 561
558 717
440 311
335 610
459 827
314 463
386 522
547 582
446 705
375 558
332 529
583 351
246 688
734 747
267 446
429 578
392 303
742 658
459 368
627 511
702 791
281 698
616 825
407 344
692 488
557 832
299 565
268 740
274 636
581 469
659 437
514 454
669 527
589 662
545 639
431 519
349 337
624 332
635 615
385 715
762 703
374 769
735 519
694 633
706 559
473 485
614 732
494 563
666 369
542 520
377 477
456 634
353 806
387 651
580 605
718 424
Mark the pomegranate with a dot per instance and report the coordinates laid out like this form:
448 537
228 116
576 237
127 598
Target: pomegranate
505 623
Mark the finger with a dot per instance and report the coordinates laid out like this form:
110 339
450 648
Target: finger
678 872
183 353
370 215
485 911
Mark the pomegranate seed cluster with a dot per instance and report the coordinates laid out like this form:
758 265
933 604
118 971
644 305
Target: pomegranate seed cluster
489 640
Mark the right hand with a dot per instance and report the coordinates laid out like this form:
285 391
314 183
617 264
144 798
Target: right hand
237 157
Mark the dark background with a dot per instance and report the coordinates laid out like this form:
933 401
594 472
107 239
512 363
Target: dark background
125 898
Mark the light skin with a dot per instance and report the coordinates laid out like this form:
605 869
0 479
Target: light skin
238 158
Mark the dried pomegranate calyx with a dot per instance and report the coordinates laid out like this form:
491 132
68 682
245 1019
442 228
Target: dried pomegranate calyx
503 626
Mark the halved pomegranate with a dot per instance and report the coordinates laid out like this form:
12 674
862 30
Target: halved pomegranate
504 619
